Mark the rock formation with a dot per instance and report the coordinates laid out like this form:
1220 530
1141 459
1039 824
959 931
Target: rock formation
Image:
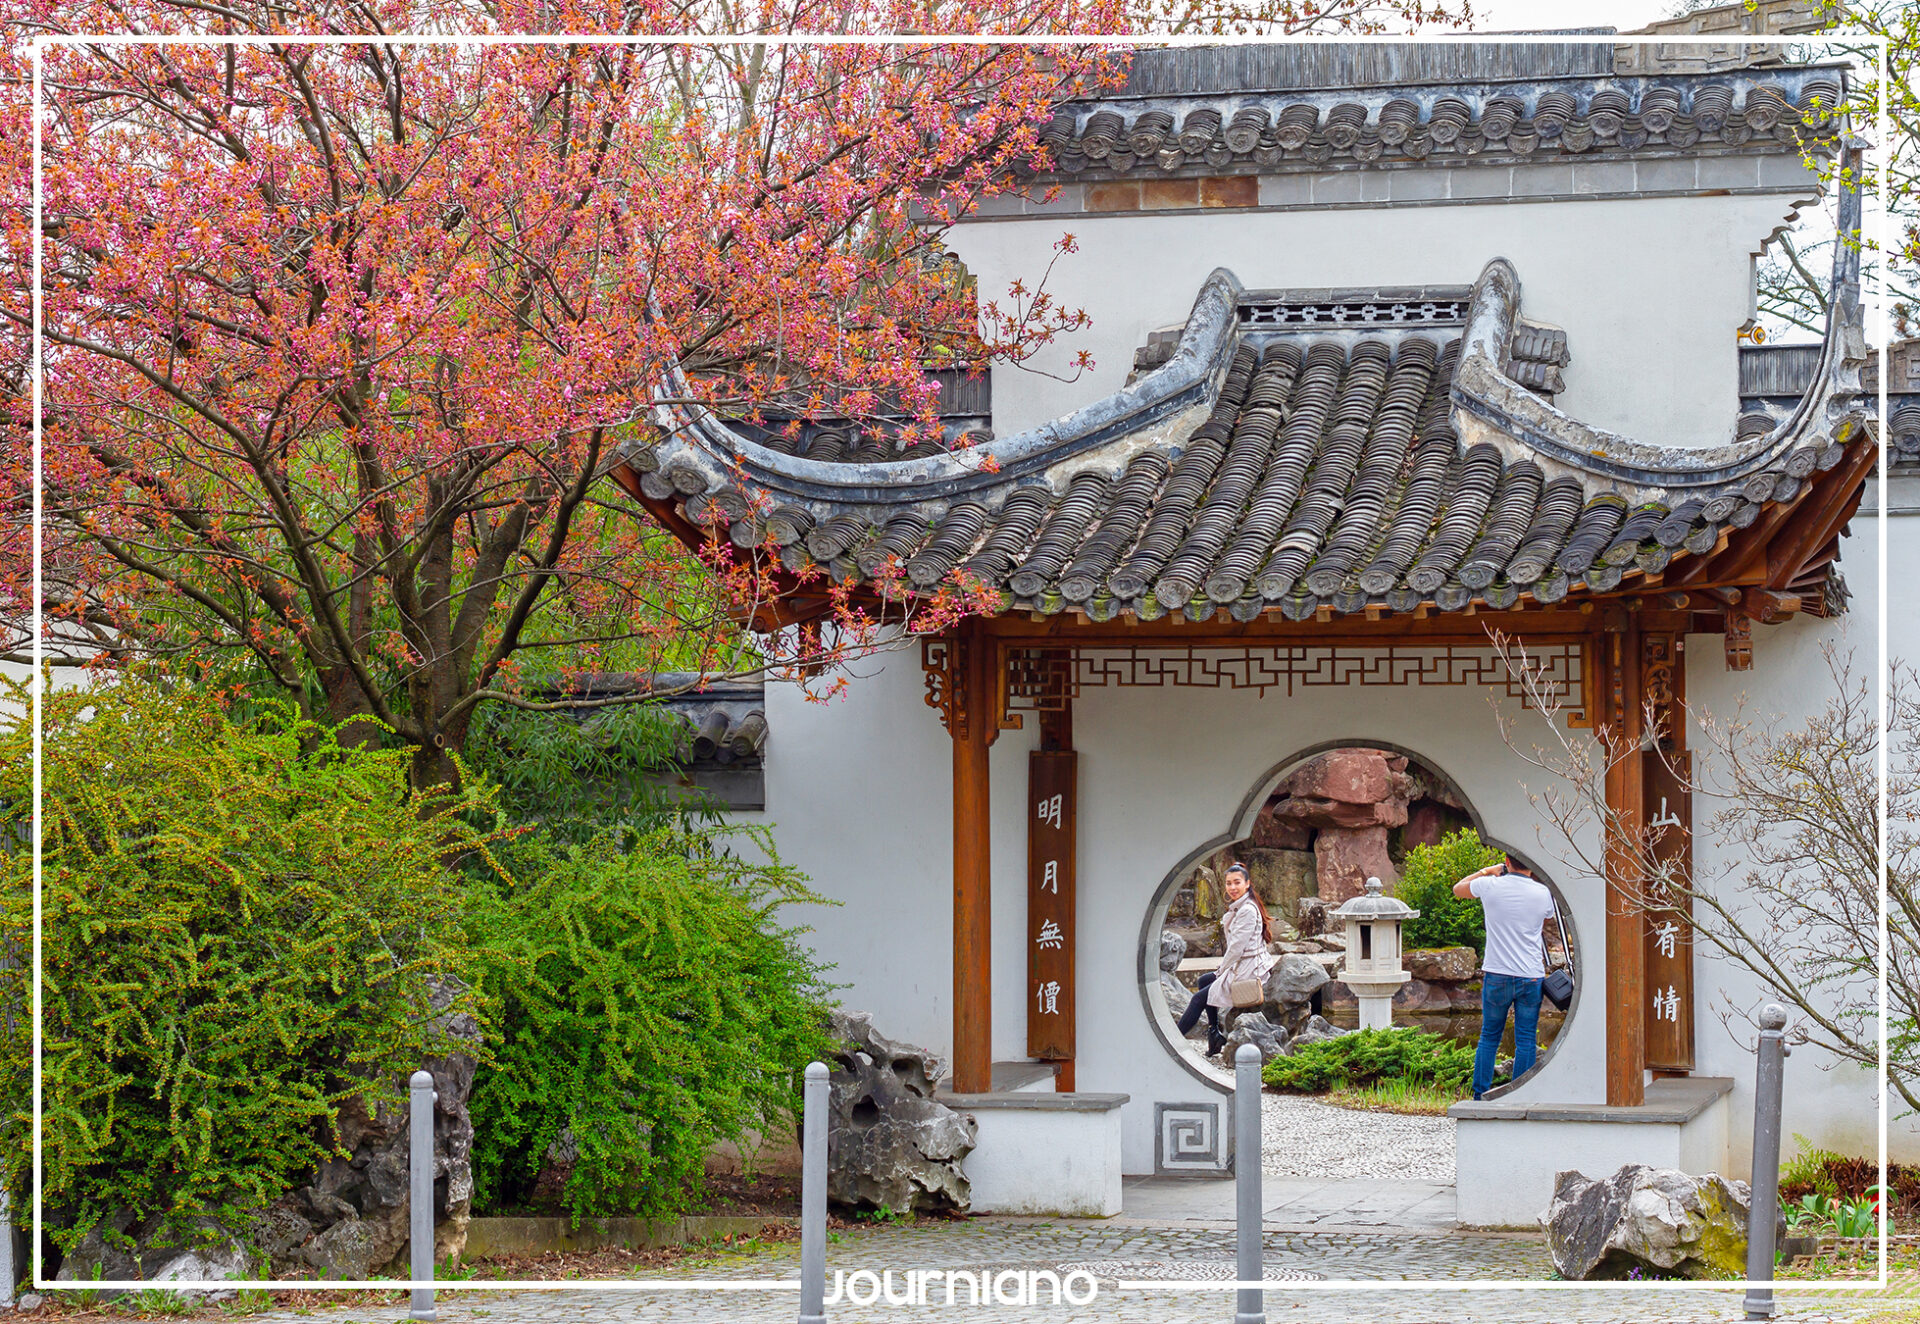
1290 987
1250 1027
204 1252
892 1144
1346 800
1648 1218
352 1219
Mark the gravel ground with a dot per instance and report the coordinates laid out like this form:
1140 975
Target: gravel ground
1302 1138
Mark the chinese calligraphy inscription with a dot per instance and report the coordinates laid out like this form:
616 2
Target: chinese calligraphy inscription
1050 875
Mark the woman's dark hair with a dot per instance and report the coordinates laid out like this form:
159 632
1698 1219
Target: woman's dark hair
1266 920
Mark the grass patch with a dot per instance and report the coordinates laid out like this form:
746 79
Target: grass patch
1413 1098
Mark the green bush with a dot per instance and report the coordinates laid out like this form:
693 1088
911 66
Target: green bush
1366 1057
649 1002
242 920
1426 884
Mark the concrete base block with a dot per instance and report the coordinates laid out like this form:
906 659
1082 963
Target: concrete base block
1506 1154
1044 1153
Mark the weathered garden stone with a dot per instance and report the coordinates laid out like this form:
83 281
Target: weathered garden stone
1293 980
1649 1218
1443 964
203 1252
1281 877
1250 1027
892 1144
1317 1030
1312 916
1346 857
356 1209
1173 950
1419 995
1202 938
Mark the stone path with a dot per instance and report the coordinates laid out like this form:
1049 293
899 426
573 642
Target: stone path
1134 1252
1302 1138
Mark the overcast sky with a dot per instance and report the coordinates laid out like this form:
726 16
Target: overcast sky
1509 15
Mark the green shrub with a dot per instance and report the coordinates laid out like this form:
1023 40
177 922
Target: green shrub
1426 884
1369 1056
650 1002
241 924
576 779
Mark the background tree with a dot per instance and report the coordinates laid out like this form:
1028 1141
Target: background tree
1796 905
1789 286
342 339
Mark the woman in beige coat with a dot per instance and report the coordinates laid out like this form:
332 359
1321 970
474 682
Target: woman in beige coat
1247 932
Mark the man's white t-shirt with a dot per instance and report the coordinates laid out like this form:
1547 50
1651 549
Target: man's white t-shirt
1516 907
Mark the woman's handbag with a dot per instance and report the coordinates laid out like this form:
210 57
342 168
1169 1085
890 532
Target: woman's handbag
1557 987
1246 994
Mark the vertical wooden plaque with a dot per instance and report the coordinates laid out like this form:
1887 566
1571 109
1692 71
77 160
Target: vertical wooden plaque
1051 779
1669 934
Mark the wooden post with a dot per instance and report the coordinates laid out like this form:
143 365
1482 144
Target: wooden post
972 728
1626 998
1052 784
1669 802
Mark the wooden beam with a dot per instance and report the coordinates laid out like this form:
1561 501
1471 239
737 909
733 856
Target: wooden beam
1817 523
971 673
1626 951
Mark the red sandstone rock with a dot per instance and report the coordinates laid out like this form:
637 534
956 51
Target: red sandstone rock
1442 964
1275 830
1354 776
1426 824
1346 857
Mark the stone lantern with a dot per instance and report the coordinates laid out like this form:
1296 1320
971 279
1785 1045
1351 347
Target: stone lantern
1373 952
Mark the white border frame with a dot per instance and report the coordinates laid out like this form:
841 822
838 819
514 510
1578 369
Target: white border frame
1877 232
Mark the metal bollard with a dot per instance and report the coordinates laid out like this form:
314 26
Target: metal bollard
420 1190
813 1197
1250 1263
1765 1205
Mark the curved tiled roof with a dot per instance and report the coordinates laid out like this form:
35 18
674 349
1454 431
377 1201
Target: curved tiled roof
1290 469
1273 130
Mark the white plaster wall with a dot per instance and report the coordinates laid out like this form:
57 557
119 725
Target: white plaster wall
1650 291
1045 1161
1832 1104
860 793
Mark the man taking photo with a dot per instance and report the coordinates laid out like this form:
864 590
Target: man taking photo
1517 905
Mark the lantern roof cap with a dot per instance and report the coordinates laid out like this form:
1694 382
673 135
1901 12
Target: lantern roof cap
1374 905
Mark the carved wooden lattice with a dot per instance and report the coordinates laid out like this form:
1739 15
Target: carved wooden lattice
1046 681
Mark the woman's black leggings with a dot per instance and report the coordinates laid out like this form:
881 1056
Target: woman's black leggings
1191 1016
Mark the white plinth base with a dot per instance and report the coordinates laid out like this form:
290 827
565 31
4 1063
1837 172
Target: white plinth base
1043 1153
1507 1154
1376 1013
1376 999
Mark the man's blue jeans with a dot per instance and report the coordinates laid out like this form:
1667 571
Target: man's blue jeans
1497 994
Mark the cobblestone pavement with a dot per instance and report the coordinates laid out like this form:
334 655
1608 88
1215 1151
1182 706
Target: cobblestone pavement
1134 1253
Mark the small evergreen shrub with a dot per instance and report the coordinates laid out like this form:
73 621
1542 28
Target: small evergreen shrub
1366 1057
242 921
1426 884
649 1002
